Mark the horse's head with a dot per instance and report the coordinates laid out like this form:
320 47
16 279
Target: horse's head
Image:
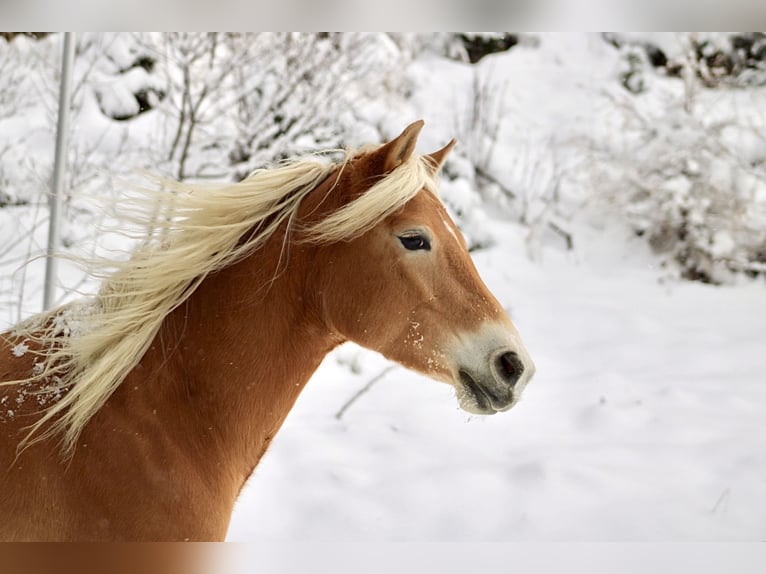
407 288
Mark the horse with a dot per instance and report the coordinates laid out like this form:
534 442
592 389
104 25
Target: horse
139 413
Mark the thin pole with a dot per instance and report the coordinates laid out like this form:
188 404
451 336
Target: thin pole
54 199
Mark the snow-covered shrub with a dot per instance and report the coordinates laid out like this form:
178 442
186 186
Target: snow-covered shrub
715 59
469 183
304 92
685 163
737 59
132 87
16 62
480 120
236 101
633 75
693 184
477 46
464 47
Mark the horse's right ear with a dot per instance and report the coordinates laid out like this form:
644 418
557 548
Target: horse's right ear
399 150
437 158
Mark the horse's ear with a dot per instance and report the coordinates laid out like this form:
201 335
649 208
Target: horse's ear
399 150
437 158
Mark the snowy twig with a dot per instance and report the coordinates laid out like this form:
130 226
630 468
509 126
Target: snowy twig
479 125
565 234
484 174
364 390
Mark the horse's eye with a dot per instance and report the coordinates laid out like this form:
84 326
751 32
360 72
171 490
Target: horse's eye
415 242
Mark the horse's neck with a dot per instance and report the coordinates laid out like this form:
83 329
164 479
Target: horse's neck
236 357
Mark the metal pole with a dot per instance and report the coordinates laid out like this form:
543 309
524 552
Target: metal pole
54 199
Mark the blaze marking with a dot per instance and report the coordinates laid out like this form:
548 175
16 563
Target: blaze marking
449 228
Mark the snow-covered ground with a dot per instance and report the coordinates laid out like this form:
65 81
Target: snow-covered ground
646 418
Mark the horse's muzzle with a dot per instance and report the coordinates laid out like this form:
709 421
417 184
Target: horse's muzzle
497 386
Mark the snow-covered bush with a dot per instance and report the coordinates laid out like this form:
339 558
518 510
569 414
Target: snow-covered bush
126 84
304 91
715 59
470 47
477 46
692 183
16 61
737 59
469 182
236 101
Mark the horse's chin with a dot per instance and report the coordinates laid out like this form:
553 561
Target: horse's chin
474 399
474 409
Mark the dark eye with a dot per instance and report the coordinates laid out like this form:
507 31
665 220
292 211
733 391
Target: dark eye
415 242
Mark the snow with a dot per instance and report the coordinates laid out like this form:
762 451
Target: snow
20 350
645 420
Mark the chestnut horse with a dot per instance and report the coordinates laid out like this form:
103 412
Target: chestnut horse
140 414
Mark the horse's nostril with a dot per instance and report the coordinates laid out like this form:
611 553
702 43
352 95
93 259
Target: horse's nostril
510 367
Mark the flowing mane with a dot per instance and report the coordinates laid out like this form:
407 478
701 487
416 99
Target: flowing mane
85 350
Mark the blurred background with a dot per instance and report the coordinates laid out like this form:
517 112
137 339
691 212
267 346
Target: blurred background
612 188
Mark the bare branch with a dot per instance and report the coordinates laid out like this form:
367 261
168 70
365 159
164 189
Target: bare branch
364 390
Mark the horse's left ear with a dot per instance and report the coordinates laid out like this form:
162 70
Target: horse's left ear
437 158
400 149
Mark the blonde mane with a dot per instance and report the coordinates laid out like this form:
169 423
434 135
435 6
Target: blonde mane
86 350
